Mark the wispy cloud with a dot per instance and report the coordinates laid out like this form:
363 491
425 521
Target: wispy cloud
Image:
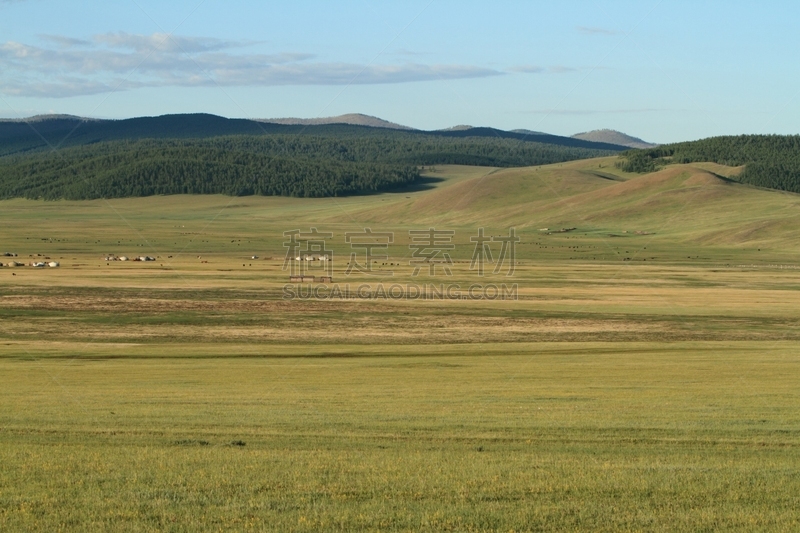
65 66
527 69
536 69
561 69
64 42
163 42
591 30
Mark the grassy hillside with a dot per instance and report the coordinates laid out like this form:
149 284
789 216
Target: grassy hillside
679 212
686 204
771 161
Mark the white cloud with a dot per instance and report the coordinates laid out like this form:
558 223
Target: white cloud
66 66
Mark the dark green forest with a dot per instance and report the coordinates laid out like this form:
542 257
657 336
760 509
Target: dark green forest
356 161
203 154
770 161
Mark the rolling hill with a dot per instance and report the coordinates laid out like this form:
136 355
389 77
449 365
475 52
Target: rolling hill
686 203
613 137
529 136
51 132
353 119
770 161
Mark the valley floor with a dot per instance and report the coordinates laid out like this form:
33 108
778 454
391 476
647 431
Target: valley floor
637 381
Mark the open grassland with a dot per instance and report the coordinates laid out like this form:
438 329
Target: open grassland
584 436
646 377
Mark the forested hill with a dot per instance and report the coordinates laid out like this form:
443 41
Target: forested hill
187 154
61 131
771 161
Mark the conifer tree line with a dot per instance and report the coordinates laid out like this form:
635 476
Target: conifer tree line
284 165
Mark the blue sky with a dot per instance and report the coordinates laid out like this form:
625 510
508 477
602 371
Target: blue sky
661 70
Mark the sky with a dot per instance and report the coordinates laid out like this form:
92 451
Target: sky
662 70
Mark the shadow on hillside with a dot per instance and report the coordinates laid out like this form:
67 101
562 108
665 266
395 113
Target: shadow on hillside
424 183
602 175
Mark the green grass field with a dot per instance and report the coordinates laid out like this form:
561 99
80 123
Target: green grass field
645 379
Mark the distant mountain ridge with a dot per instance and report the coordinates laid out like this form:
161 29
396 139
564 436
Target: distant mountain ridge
43 132
206 125
543 138
528 132
613 137
52 116
460 127
353 119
